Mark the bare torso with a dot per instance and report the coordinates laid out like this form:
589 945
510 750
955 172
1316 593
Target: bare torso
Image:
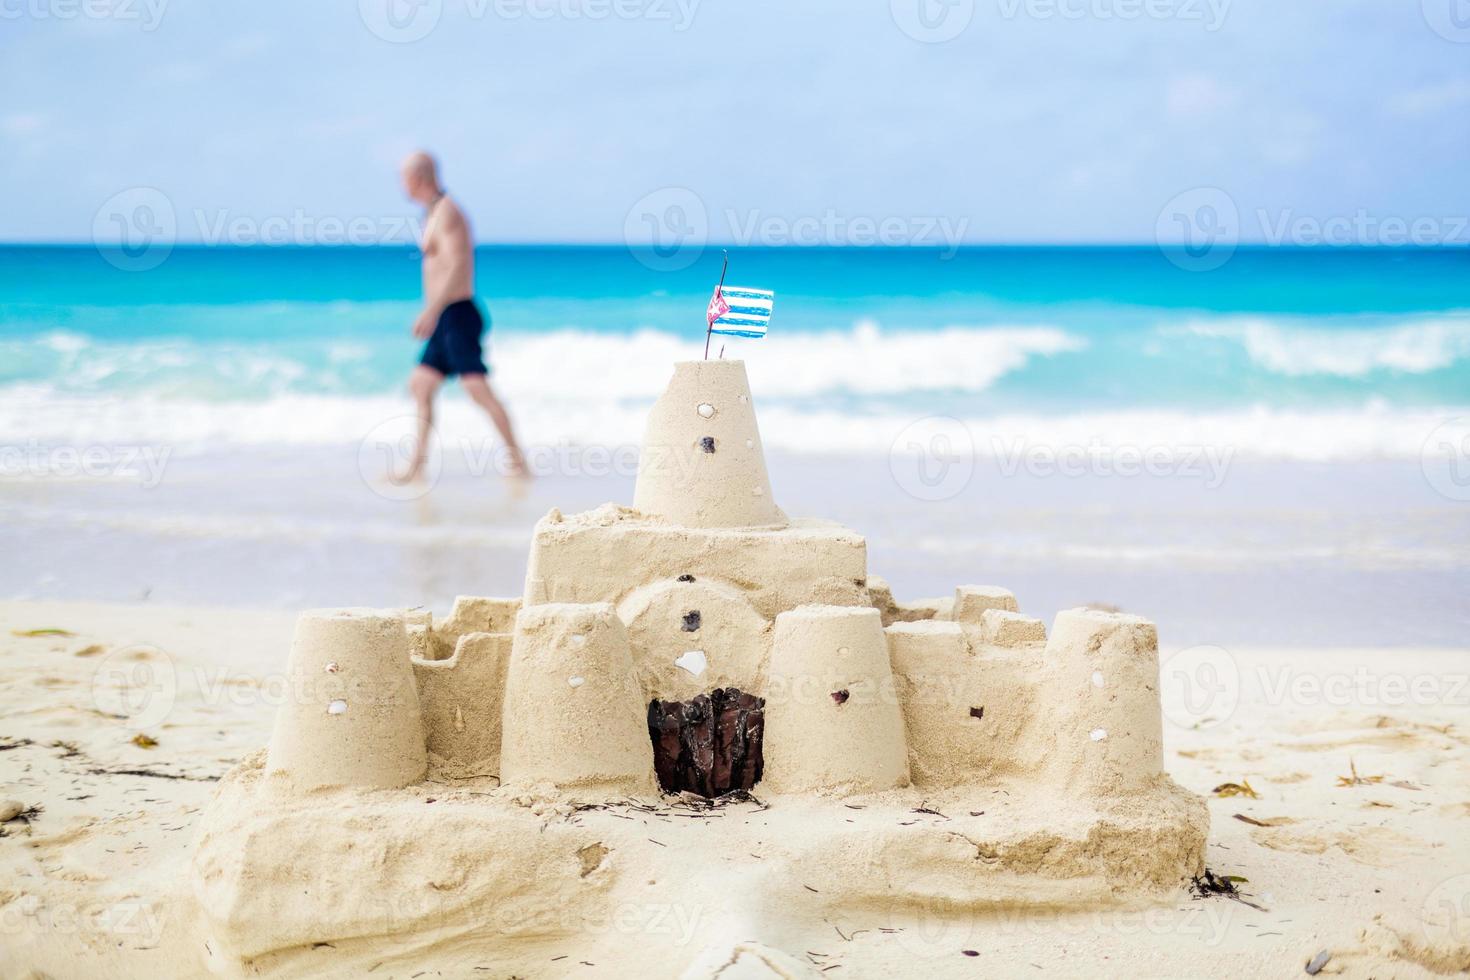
449 256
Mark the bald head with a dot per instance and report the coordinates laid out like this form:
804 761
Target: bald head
421 177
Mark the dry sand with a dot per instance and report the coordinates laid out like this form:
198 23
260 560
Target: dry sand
1376 873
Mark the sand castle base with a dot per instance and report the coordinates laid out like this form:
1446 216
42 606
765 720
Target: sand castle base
521 878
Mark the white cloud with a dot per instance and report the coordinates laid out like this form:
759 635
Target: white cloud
1196 95
1431 100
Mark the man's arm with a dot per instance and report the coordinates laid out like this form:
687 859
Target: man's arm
452 237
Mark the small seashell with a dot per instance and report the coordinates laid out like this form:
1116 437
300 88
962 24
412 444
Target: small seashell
706 410
1317 962
1098 734
693 661
1097 678
331 667
337 707
576 681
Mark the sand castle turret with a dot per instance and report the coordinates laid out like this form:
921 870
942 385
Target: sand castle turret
574 714
702 463
832 715
1102 672
352 715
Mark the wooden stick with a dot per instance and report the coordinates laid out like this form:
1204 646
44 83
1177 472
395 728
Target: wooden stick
709 327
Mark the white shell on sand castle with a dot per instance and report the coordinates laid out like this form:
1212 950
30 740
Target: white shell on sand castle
496 781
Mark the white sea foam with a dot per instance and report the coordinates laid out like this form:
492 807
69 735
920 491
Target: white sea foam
1372 431
1415 347
864 360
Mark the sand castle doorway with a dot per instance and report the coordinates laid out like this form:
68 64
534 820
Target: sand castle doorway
709 745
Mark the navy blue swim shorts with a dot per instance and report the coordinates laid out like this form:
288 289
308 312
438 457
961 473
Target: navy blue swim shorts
454 347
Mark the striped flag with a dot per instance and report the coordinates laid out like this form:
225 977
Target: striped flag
737 311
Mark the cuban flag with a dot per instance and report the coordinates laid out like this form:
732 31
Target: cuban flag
737 311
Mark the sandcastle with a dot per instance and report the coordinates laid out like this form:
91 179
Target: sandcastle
523 754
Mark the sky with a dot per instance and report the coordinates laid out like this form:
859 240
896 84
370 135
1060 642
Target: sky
857 122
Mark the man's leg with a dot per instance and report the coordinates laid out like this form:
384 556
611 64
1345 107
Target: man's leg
423 384
478 388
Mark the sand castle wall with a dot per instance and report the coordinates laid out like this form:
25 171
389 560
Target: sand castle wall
574 715
353 716
602 555
702 463
691 637
833 721
462 698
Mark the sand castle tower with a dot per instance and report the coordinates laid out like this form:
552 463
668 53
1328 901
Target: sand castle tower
1102 680
832 715
702 463
352 717
574 713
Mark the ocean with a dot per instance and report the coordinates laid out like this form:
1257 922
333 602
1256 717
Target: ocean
1116 419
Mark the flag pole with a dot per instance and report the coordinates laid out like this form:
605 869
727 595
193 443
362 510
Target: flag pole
710 324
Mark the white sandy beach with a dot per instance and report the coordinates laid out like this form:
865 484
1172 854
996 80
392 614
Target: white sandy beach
1376 873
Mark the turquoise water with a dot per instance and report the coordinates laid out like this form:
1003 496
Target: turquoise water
867 333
